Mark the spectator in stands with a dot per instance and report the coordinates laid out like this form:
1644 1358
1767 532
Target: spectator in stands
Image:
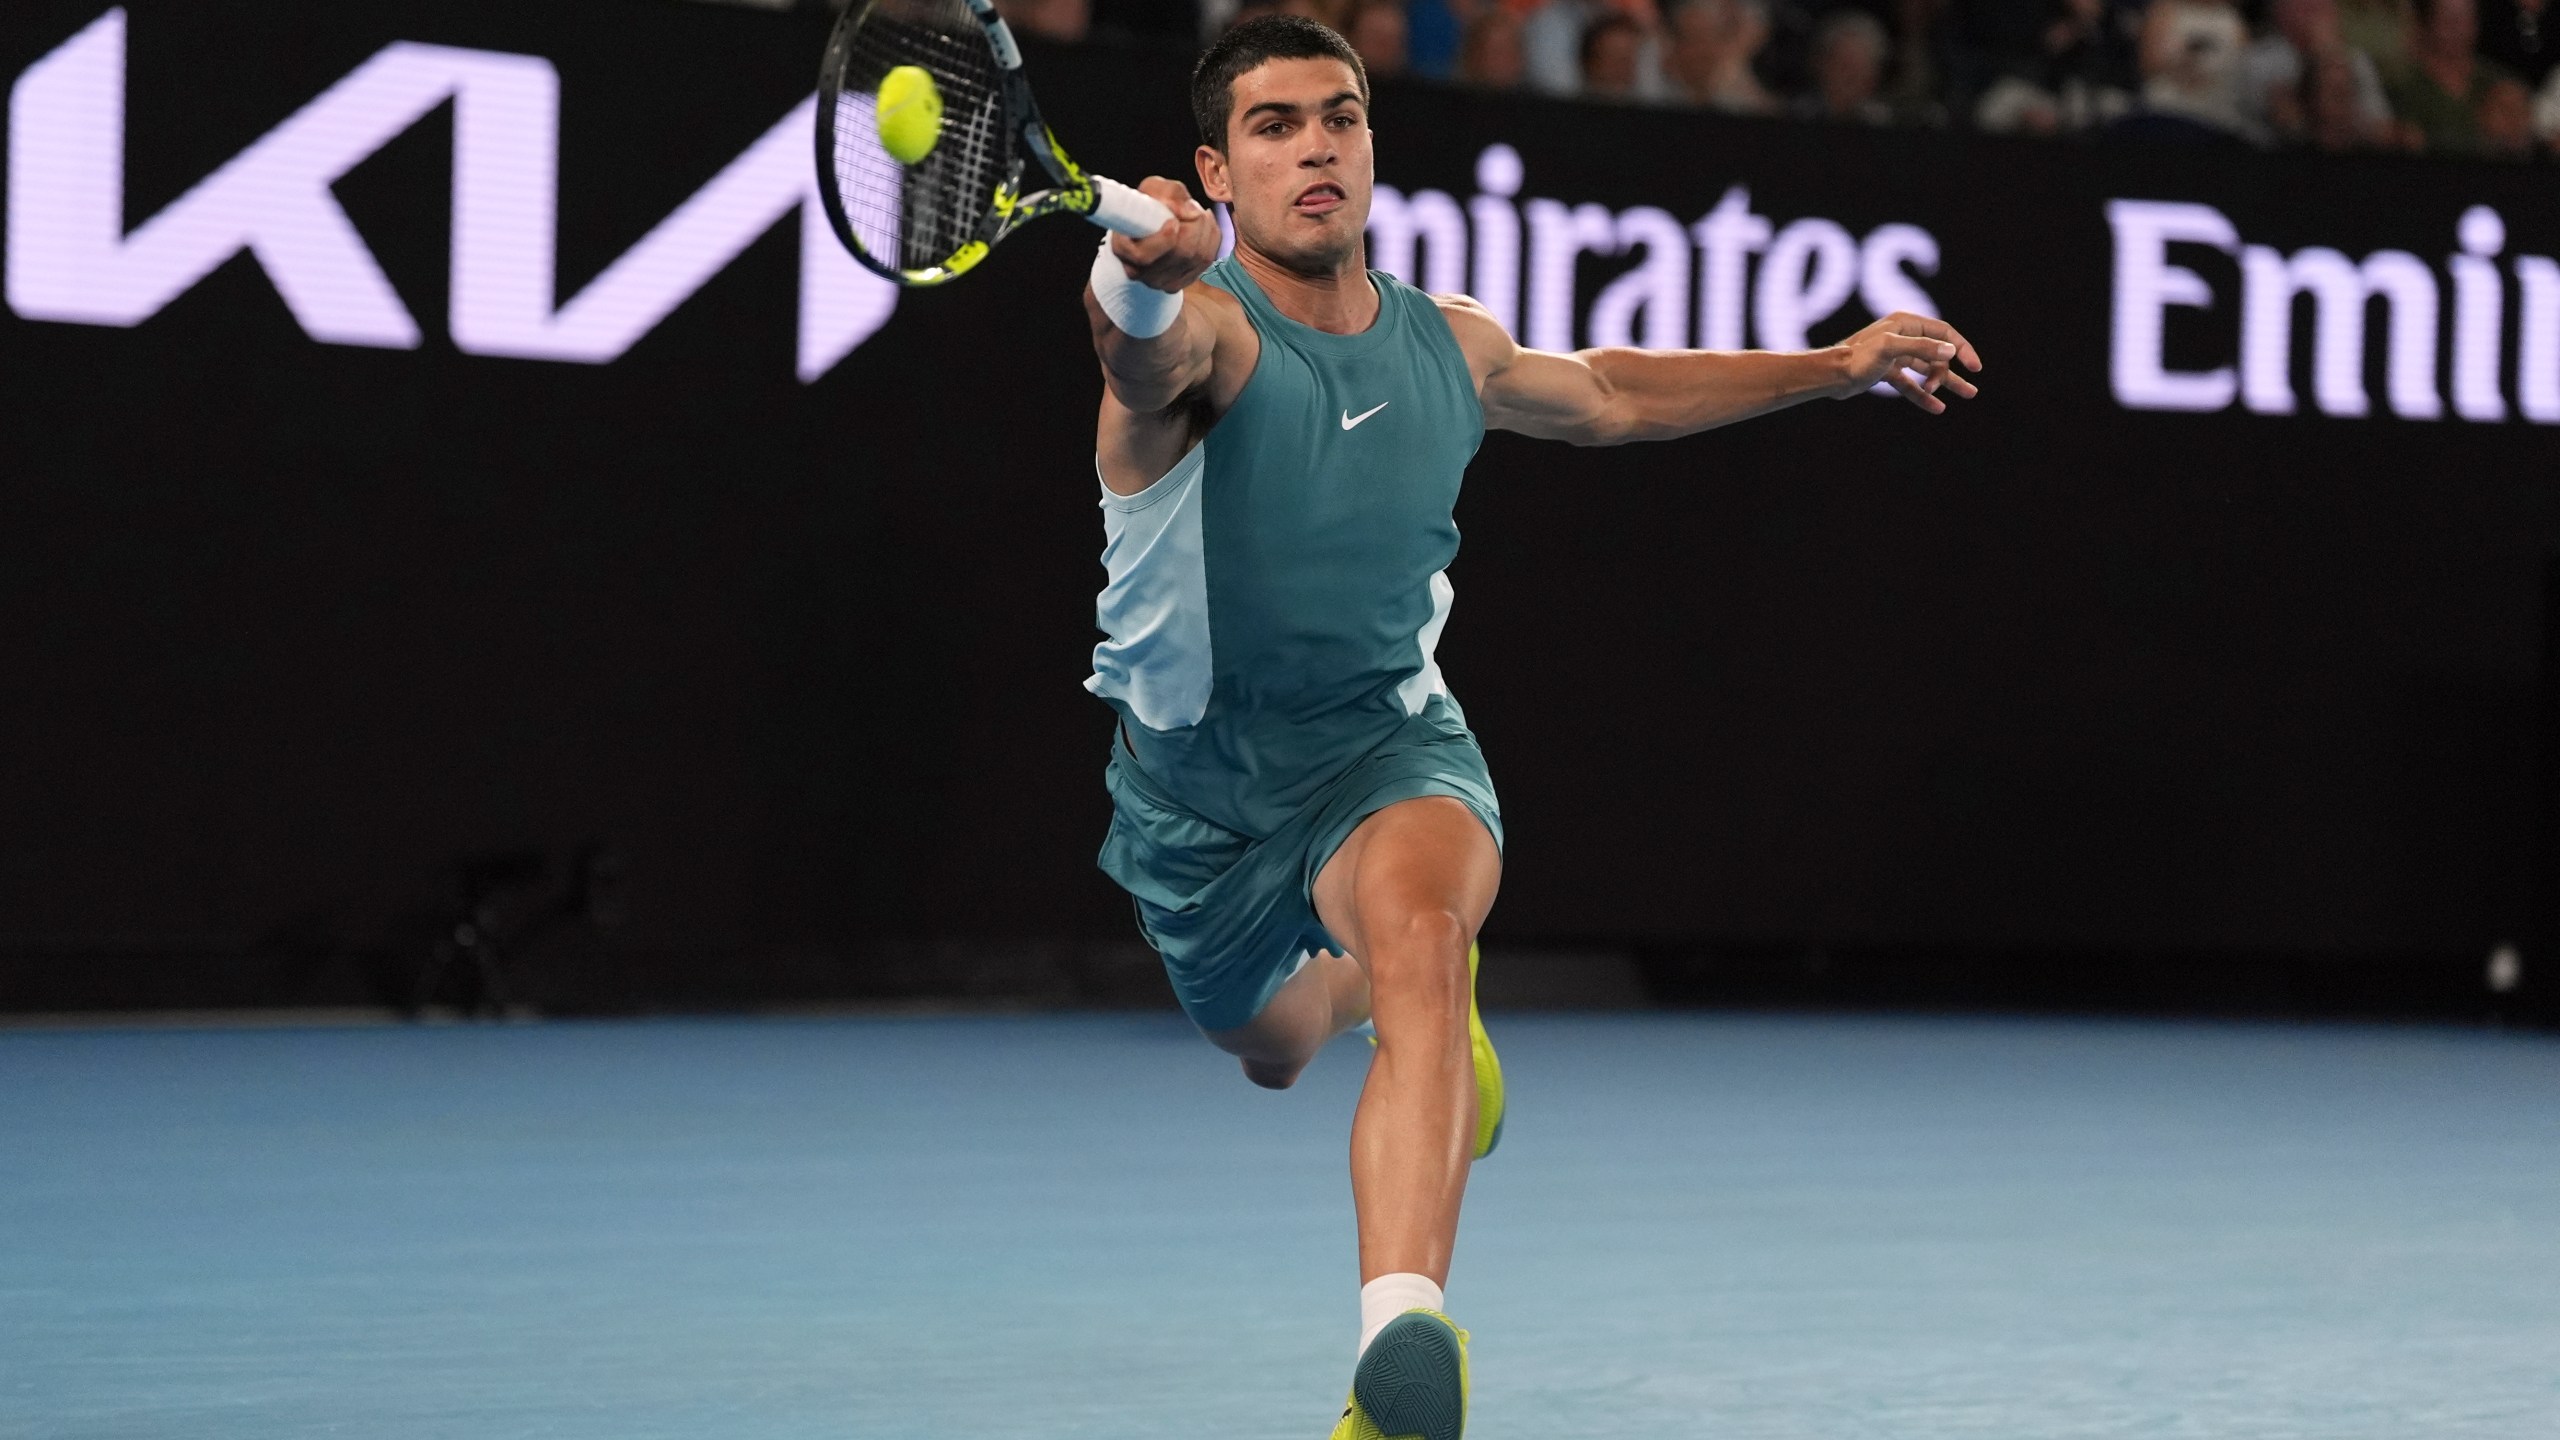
1378 33
2505 118
1916 88
1551 45
1713 44
1612 52
2190 74
1251 8
1433 31
1491 55
2445 83
1331 14
2272 88
2327 103
1551 35
1849 50
2379 28
1049 19
2039 66
2051 65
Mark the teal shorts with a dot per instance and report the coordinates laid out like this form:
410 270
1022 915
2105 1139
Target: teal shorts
1232 914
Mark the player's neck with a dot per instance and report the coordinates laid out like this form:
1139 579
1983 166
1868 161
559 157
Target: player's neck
1341 303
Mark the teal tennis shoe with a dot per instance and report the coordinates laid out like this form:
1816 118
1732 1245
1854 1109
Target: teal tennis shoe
1411 1384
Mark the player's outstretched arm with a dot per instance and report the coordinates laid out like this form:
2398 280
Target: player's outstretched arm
1151 370
1609 397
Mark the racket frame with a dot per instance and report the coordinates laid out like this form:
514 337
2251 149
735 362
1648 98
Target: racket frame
1074 192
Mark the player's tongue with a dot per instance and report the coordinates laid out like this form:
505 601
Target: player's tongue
1319 198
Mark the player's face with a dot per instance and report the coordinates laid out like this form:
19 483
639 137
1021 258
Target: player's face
1298 168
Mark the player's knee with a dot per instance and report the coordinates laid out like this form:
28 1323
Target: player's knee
1272 1074
1435 933
1423 954
1269 1057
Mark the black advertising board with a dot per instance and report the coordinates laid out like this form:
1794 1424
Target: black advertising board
440 426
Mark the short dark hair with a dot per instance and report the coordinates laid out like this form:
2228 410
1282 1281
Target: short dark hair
1247 46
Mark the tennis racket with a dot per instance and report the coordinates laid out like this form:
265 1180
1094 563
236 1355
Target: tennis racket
933 217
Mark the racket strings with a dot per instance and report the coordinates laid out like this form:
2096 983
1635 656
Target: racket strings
915 216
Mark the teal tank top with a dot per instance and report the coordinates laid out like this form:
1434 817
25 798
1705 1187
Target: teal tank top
1274 600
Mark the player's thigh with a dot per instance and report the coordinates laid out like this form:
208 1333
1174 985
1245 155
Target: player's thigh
1291 1025
1425 861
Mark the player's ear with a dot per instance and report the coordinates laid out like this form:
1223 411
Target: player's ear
1213 174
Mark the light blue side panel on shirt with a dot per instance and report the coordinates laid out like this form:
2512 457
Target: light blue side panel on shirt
1424 683
1155 606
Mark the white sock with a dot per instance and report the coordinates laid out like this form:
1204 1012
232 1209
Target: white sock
1389 1296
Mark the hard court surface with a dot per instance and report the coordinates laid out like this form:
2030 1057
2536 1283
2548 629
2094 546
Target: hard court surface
1091 1226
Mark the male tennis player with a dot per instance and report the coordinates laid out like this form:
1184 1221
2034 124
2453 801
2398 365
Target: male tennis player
1298 807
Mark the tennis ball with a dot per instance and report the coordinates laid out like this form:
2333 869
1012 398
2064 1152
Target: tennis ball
909 109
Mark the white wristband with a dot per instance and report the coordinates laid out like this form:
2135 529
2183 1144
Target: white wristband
1141 311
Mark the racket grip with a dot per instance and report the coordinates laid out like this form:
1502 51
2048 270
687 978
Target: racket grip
1131 212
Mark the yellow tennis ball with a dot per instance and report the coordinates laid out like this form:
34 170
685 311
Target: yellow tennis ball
909 109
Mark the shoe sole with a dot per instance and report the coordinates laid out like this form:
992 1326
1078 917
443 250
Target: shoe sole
1411 1382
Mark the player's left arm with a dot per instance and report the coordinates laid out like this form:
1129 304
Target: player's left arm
1612 396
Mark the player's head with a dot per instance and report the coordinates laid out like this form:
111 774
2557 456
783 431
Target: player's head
1283 108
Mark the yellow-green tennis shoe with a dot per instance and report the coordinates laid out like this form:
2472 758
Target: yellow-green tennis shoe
1489 1104
1412 1382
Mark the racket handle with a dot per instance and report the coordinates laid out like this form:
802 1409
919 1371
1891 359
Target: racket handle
1131 212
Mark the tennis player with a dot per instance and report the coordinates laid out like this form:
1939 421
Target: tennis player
1299 809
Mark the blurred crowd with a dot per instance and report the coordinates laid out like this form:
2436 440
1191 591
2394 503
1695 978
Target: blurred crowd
2470 77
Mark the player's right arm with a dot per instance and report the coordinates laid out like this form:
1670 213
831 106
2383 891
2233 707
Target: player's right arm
1155 387
1146 375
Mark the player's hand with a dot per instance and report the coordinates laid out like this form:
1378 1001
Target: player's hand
1915 355
1178 254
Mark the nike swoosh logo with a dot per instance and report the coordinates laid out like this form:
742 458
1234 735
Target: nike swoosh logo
1349 419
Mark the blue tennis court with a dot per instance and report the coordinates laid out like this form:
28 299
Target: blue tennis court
1090 1226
